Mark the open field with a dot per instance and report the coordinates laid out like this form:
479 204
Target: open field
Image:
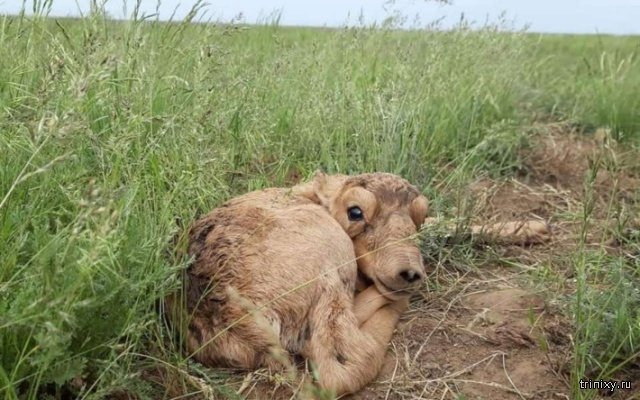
115 135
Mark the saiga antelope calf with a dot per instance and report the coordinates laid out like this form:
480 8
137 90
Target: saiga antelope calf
296 255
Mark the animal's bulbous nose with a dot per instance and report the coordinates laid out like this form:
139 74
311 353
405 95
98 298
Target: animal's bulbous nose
411 275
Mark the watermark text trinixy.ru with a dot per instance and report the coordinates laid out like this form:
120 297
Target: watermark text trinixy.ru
610 386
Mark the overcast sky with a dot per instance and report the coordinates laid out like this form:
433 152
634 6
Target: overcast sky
561 16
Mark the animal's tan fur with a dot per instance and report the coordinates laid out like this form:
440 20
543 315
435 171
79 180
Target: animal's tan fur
515 232
525 232
294 252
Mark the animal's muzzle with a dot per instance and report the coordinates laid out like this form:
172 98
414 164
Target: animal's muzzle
411 275
406 268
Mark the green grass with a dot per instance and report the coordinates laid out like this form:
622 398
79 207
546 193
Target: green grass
591 79
607 298
112 131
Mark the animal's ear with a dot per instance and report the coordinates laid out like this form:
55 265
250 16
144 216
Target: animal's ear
323 189
328 188
308 189
418 210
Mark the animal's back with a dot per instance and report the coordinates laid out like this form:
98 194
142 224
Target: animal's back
246 240
275 250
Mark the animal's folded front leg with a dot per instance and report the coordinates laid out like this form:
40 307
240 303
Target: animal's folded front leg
347 356
367 302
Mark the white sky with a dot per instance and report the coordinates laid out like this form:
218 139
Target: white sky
561 16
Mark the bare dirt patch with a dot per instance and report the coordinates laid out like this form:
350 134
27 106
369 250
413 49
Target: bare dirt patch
488 342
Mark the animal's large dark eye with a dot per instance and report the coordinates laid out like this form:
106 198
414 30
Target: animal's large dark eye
355 214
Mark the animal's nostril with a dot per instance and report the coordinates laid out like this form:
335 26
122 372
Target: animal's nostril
410 275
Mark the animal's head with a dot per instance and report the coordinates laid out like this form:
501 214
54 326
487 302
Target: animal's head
381 213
